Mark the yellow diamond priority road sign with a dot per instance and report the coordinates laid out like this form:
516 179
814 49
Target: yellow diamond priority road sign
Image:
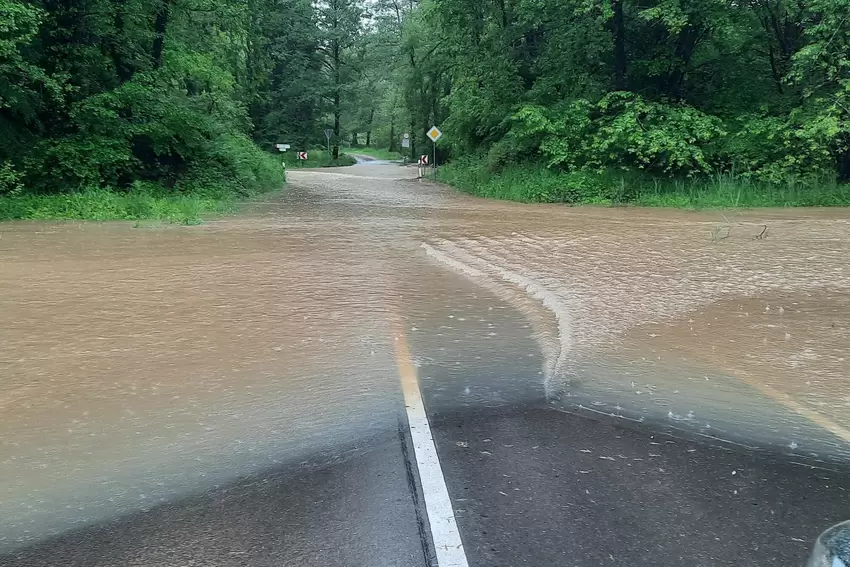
435 134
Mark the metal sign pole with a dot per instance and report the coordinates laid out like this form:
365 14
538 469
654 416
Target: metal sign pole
434 134
329 134
435 161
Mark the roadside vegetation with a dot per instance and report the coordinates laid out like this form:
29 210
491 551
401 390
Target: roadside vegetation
157 107
683 103
536 183
317 158
378 153
102 205
165 109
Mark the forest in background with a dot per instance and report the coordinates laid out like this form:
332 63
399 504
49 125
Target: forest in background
649 101
163 108
675 102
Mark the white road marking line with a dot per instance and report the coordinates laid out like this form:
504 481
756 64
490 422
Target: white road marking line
441 517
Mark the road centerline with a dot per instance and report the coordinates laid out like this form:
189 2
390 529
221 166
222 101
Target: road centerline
448 545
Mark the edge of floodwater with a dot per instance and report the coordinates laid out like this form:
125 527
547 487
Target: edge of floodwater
764 433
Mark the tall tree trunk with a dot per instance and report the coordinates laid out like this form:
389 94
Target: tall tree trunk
369 130
413 156
336 127
123 69
163 15
337 53
255 110
775 71
619 30
392 143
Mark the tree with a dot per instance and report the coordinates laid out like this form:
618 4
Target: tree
113 93
340 25
282 66
759 88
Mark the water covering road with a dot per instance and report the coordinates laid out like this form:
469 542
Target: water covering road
142 365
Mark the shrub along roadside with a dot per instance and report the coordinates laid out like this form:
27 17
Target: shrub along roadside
103 205
535 183
214 190
317 158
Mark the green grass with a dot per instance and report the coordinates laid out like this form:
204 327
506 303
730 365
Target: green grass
317 158
728 191
378 153
103 205
143 201
237 173
534 183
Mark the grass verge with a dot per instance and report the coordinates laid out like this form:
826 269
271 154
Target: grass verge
317 158
237 171
144 201
103 205
378 153
534 183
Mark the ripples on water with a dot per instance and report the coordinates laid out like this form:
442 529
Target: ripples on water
645 302
139 364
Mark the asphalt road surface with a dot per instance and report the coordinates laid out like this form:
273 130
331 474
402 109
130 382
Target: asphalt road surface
532 480
530 486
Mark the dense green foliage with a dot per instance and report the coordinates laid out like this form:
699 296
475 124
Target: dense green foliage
173 98
102 204
160 101
669 89
318 158
536 183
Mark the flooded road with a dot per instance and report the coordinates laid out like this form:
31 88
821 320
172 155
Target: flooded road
139 365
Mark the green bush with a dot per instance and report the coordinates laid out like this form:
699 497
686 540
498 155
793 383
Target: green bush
10 180
143 203
318 158
782 150
535 183
621 130
529 183
235 164
74 162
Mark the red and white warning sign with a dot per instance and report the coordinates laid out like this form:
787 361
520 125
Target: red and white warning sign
423 159
302 156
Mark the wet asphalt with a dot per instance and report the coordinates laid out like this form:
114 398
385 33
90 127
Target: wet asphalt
533 486
351 508
530 484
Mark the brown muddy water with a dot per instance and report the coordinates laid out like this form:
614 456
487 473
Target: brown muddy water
139 364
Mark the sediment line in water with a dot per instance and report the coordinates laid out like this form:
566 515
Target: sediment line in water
460 260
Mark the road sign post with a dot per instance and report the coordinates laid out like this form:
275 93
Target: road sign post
423 163
329 134
434 134
282 148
